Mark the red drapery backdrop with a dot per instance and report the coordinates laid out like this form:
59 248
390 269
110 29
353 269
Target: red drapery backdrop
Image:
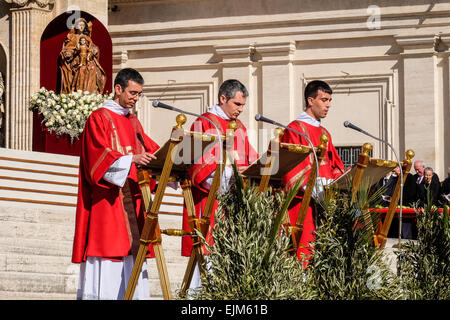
52 41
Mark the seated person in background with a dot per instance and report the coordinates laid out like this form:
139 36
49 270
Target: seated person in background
409 191
388 183
419 167
409 197
409 228
428 184
445 189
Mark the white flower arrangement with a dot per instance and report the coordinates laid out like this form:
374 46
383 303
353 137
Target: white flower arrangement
66 113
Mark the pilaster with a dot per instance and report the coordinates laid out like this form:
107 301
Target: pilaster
426 97
28 20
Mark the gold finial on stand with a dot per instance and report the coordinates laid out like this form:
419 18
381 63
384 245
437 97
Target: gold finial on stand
366 148
181 119
232 125
409 155
278 132
323 140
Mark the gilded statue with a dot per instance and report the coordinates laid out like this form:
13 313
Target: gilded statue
79 61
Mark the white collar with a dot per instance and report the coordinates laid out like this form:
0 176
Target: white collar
308 119
116 108
218 111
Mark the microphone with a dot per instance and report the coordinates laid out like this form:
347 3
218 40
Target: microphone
158 104
259 117
348 124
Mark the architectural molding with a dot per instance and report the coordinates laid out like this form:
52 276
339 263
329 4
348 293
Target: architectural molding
387 114
30 3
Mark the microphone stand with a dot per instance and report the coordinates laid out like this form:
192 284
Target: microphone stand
158 104
401 179
259 117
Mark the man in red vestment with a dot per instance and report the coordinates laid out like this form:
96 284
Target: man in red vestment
109 215
317 100
232 98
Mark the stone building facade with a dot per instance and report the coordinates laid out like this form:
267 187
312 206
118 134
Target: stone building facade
387 62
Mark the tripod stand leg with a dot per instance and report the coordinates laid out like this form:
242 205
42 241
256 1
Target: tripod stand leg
151 232
132 282
162 271
188 273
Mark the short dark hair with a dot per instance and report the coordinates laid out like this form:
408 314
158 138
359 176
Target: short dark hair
126 74
313 87
229 89
428 169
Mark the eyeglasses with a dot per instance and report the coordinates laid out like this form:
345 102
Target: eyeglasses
136 94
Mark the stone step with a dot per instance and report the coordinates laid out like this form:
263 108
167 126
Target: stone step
16 295
34 196
63 249
62 285
36 229
176 269
48 177
40 156
35 215
37 264
36 164
30 184
48 231
38 282
20 202
33 246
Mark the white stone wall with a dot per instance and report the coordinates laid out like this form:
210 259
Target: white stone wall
387 75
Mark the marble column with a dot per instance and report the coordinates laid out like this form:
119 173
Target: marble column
28 20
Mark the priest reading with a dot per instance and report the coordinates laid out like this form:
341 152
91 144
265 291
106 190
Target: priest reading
232 98
317 100
110 216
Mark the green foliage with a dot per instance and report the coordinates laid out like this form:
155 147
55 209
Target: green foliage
345 264
424 265
242 263
248 258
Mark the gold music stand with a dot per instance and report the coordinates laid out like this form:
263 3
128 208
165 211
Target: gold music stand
405 167
279 159
297 229
276 162
366 169
202 224
173 160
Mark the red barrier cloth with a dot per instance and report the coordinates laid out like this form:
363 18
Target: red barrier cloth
406 212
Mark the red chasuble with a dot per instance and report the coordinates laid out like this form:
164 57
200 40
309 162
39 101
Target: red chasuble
331 167
104 225
244 155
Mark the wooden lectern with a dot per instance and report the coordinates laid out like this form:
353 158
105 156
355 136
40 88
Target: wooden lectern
276 162
174 158
288 156
369 170
197 223
297 229
405 167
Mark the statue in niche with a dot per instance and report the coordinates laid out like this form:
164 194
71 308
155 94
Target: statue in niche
79 61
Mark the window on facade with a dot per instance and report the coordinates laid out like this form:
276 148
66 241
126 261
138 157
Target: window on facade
349 155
